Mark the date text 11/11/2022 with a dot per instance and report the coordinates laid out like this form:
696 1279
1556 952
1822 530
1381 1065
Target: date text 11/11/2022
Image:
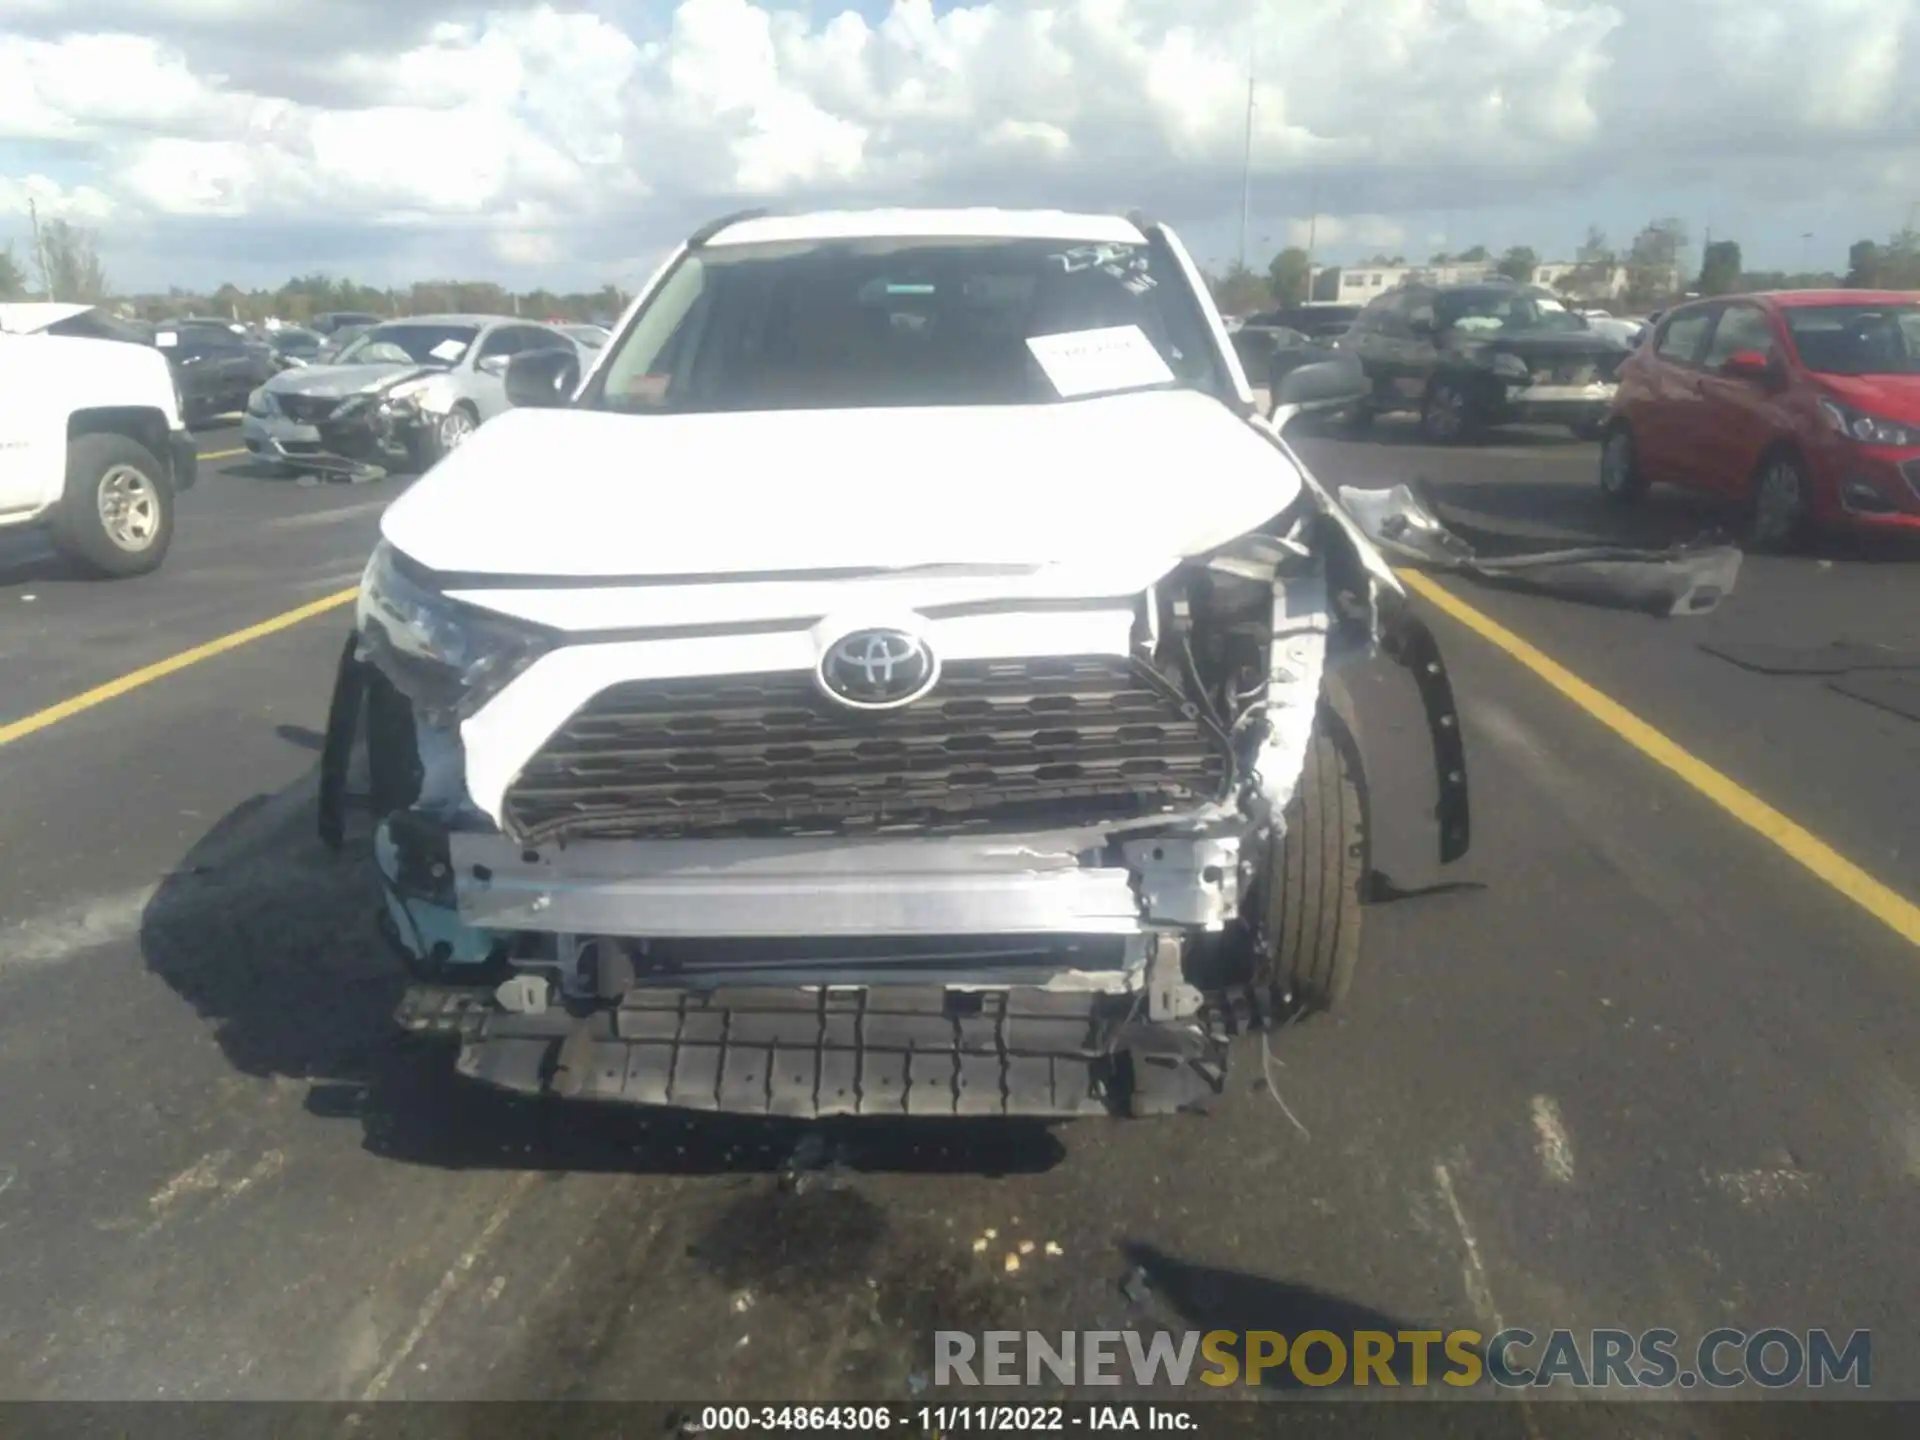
939 1419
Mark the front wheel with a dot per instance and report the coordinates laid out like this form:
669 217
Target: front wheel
1450 416
116 514
1621 478
1308 899
445 436
1782 510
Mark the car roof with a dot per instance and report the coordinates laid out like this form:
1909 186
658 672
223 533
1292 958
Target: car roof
454 319
979 222
1794 299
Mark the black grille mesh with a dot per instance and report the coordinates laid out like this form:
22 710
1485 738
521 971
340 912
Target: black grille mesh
1073 740
307 409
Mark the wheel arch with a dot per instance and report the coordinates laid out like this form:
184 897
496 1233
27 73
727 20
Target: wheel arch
144 424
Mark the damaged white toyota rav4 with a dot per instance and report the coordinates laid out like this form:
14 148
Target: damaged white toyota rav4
892 681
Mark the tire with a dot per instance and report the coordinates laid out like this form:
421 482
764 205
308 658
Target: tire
1450 416
1780 513
116 514
1315 879
1621 478
434 445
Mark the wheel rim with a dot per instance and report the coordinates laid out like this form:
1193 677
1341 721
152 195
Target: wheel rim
1616 463
454 429
1779 503
129 508
1446 412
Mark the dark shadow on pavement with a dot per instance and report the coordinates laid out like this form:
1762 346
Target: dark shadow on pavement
1209 1298
272 940
303 736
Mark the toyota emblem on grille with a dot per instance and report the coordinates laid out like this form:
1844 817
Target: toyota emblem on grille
878 669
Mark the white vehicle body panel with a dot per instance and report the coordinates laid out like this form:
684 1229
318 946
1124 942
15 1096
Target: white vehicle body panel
44 379
831 490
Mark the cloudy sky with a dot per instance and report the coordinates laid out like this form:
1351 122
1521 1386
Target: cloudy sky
569 142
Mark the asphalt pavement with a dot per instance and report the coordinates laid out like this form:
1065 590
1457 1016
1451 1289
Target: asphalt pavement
1644 1067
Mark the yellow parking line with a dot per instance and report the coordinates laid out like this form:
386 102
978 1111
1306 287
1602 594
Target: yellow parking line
172 665
222 454
1885 904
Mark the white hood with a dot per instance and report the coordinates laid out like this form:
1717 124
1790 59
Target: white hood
1130 482
30 317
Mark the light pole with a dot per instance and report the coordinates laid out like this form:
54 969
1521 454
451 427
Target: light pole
1246 159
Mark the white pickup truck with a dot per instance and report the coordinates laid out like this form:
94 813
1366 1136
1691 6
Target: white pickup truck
92 446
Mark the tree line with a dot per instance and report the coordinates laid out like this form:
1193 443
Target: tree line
65 265
1654 275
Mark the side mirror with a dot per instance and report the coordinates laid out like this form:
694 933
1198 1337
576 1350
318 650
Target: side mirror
542 379
492 365
1319 385
1748 365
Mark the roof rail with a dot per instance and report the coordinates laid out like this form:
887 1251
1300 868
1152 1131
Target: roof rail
713 227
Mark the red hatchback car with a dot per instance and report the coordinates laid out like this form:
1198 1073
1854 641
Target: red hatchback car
1803 406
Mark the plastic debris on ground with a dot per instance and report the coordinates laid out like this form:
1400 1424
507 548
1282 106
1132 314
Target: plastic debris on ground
1681 580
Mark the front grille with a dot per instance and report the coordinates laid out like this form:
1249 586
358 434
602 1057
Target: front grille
997 744
307 409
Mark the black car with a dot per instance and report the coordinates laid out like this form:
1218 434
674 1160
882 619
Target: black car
292 345
214 367
1466 357
334 320
1269 353
1316 319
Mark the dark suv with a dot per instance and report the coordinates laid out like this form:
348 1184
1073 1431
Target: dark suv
1466 357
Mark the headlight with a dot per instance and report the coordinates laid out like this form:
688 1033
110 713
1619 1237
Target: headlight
260 402
1867 429
446 657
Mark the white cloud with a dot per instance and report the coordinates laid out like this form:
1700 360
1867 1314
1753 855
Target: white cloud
1365 232
82 204
576 133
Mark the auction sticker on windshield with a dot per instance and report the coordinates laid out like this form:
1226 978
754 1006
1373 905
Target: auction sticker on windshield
1088 362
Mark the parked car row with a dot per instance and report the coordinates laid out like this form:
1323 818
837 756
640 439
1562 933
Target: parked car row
400 394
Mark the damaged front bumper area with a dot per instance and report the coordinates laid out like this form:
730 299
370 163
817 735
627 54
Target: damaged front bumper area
1020 894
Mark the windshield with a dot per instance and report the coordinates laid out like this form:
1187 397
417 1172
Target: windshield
821 325
1505 312
410 344
1857 339
589 335
296 342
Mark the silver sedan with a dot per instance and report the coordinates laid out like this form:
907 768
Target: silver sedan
435 378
